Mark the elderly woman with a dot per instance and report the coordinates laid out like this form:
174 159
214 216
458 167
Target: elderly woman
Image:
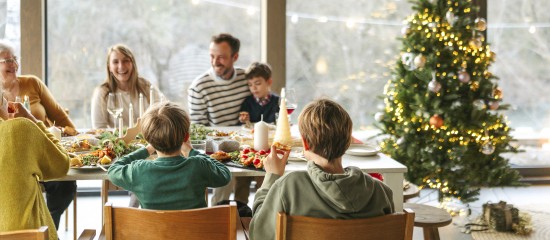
122 77
45 109
29 155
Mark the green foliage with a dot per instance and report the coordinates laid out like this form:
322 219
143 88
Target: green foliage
455 157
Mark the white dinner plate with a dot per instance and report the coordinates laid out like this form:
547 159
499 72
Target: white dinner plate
361 150
296 154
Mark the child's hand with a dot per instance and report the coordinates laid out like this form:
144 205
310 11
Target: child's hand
244 117
274 164
186 148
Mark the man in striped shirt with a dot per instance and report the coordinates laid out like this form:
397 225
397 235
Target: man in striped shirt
215 97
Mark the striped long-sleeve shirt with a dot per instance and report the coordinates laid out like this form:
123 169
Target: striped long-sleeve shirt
216 102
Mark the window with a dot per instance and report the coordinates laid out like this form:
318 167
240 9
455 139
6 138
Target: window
169 39
518 32
10 24
344 50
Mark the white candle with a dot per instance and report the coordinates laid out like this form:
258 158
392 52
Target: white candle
55 132
141 107
121 125
260 136
130 115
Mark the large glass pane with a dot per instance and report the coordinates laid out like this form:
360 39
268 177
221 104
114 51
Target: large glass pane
344 50
169 39
10 23
519 33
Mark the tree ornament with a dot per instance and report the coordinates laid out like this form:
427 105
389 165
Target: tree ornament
480 36
436 121
463 76
432 25
475 43
456 105
497 93
488 148
474 86
405 30
450 17
400 141
408 61
479 104
434 86
493 56
420 61
487 74
379 116
480 24
493 105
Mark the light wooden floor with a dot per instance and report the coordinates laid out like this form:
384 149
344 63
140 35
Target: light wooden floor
533 197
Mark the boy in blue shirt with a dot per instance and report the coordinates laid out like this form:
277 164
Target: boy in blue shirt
262 101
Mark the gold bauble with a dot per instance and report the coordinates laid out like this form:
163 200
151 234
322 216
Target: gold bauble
480 24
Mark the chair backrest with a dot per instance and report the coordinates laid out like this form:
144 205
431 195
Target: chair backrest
398 226
29 234
219 222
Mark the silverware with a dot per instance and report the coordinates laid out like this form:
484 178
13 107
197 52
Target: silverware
104 169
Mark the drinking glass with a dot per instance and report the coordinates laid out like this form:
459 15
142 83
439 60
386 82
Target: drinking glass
114 106
199 145
291 102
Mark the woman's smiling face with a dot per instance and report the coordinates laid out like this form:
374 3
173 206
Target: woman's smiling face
120 66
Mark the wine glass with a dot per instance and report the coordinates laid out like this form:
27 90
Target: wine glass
291 102
114 105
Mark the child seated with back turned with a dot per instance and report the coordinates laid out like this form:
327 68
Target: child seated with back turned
262 101
326 189
177 179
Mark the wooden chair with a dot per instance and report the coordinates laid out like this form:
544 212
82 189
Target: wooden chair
219 222
29 234
389 227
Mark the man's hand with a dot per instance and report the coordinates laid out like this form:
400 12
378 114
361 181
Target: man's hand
274 164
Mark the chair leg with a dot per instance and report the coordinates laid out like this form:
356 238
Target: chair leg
431 233
67 220
74 215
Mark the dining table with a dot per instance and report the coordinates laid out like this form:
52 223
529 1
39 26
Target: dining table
391 170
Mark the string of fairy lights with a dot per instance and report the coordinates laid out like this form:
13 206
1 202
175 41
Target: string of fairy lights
296 17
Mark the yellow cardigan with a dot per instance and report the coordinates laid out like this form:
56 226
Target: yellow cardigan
43 105
28 153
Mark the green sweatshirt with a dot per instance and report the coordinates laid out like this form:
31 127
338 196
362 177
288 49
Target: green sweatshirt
28 153
169 183
315 193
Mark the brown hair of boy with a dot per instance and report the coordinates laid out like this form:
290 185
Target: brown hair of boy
326 127
165 126
258 69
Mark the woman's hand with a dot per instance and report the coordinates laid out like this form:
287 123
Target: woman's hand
274 164
19 110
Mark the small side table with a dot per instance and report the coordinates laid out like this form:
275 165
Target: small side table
411 192
429 218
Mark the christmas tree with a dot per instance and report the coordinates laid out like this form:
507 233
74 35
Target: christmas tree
443 110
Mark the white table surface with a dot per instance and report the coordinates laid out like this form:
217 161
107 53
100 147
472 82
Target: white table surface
391 170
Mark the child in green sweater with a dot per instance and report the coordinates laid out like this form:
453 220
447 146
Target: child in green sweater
177 179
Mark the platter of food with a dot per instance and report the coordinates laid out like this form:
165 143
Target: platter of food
247 158
362 150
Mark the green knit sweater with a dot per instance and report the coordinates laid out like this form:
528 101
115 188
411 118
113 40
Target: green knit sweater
28 153
169 183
